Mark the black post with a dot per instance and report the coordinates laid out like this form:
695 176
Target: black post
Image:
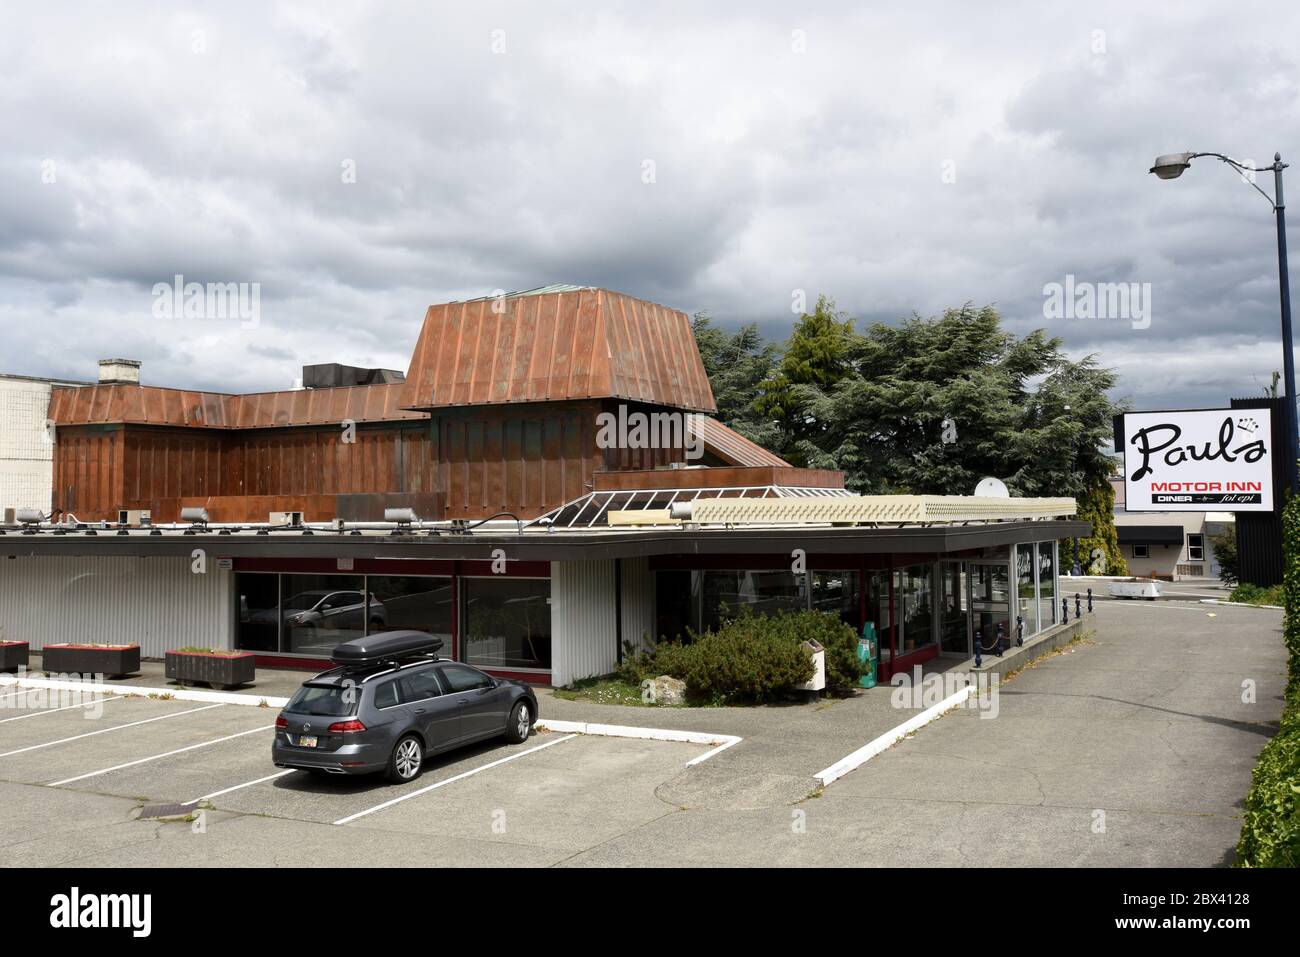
1090 601
1288 350
978 660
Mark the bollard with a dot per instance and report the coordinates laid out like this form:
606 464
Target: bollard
997 647
1065 610
977 648
1090 601
1020 630
1078 608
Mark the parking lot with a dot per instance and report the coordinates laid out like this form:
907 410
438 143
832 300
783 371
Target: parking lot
74 779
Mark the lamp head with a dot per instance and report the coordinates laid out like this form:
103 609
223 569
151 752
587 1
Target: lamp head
1171 165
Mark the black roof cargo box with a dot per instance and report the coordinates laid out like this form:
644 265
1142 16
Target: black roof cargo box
385 646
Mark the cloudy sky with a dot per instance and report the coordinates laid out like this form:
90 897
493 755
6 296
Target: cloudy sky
360 161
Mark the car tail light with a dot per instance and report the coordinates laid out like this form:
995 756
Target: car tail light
281 722
346 727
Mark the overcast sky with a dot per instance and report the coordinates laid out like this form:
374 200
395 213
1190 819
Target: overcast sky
360 161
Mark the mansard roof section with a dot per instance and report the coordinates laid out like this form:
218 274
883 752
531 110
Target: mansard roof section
553 344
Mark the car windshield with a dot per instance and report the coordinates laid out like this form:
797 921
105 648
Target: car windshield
329 701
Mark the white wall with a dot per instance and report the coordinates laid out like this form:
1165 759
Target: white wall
157 603
583 620
26 454
638 602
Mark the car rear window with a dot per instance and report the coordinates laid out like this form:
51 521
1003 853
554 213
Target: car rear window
329 701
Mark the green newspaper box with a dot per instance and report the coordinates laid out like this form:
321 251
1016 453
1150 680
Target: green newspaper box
868 654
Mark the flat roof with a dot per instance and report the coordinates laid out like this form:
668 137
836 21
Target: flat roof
537 545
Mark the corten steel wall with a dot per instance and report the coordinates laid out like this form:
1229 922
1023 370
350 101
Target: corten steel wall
88 471
158 603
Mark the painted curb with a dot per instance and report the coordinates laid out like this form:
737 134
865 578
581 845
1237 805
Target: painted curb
869 750
176 694
1239 604
722 741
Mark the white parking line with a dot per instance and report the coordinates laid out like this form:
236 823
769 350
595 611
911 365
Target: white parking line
456 777
155 757
239 787
84 704
116 727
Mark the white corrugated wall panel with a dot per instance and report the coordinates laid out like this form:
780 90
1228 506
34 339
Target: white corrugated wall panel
638 602
583 620
157 602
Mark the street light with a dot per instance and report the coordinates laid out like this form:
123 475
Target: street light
1171 166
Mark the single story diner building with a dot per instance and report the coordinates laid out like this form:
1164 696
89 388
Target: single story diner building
544 487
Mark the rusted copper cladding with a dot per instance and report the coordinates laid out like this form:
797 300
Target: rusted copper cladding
732 447
727 477
581 344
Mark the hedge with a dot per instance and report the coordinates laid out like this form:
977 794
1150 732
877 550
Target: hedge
1270 830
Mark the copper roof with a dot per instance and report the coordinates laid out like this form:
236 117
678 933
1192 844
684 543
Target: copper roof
547 345
151 405
733 448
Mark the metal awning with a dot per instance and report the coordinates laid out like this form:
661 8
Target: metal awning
592 510
1150 534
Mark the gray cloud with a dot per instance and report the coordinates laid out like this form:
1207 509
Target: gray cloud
907 160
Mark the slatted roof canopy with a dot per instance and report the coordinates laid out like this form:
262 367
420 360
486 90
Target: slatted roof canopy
592 510
556 343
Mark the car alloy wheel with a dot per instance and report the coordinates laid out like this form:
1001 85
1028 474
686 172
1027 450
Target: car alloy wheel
406 758
522 721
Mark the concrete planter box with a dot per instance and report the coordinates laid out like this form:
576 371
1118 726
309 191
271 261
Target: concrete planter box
1134 589
13 655
222 671
114 661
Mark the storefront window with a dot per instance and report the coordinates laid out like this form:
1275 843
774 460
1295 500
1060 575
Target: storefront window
954 606
507 622
836 593
1047 583
1026 595
412 602
723 593
917 593
319 611
259 615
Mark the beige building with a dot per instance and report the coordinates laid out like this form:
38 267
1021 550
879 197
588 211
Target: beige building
26 442
1168 545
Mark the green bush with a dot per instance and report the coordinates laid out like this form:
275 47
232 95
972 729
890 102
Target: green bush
1270 828
1249 594
751 657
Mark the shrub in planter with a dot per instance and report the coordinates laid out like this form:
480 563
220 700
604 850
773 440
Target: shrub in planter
113 661
750 658
13 655
216 667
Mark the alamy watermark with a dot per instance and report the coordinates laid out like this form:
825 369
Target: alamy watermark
1072 299
628 429
918 691
214 300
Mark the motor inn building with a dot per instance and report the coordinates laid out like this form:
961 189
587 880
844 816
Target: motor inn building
480 497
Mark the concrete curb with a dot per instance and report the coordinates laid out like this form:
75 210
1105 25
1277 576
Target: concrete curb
723 741
1239 604
177 694
891 737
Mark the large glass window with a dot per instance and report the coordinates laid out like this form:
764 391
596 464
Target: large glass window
1047 583
259 612
954 608
1026 594
412 602
319 611
507 622
836 592
723 593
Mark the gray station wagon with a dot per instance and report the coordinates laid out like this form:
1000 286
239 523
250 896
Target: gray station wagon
390 704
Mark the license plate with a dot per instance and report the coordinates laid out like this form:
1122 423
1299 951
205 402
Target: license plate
305 741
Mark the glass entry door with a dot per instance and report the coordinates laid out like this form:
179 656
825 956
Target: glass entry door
954 609
990 601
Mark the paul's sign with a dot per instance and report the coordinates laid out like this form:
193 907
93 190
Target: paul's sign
1210 460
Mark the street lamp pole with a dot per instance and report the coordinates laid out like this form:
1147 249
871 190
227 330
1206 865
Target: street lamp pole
1171 166
1288 352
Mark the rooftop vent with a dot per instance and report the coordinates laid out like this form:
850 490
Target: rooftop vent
119 371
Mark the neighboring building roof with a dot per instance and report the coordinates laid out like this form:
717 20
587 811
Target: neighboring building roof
733 448
152 405
556 343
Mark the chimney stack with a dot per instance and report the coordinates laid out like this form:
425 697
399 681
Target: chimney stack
119 371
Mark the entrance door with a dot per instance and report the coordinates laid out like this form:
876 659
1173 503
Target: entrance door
990 602
954 609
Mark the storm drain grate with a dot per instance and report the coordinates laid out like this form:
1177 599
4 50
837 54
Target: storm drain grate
167 810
